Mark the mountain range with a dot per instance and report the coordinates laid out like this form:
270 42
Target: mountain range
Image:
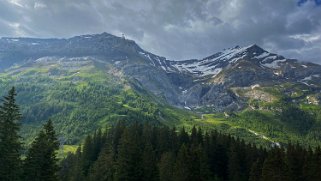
84 80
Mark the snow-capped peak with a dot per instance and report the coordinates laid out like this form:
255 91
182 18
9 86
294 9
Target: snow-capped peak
213 65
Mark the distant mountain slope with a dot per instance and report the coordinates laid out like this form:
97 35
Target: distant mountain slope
192 84
211 82
88 81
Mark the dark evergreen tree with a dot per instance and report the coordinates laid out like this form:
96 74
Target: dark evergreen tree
129 160
149 166
256 171
41 161
218 158
294 161
200 169
88 154
274 167
312 165
67 165
194 136
76 172
163 140
182 168
166 166
10 146
183 136
104 168
234 164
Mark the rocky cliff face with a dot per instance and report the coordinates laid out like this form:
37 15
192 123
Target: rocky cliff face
209 82
192 84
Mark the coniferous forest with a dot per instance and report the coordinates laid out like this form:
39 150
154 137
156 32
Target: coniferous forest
39 162
134 151
144 152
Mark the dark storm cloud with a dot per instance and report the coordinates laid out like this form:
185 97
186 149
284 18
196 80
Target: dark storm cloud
177 29
301 2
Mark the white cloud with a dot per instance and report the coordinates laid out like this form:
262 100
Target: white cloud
16 2
309 38
39 5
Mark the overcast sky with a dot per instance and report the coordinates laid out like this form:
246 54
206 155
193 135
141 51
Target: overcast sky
176 29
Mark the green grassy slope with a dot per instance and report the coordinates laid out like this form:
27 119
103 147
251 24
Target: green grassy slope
82 96
275 114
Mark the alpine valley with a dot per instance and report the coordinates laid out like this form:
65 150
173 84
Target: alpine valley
92 81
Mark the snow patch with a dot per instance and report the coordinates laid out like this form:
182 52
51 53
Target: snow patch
187 108
213 66
274 64
277 73
255 86
263 55
307 78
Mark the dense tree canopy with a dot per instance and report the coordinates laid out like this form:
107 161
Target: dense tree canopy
144 152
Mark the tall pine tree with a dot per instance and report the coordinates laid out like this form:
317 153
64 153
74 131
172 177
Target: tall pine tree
166 166
274 168
10 145
129 161
41 162
182 168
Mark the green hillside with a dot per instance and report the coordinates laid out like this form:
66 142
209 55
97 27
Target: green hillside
82 96
79 97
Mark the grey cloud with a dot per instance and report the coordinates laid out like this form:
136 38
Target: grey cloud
179 29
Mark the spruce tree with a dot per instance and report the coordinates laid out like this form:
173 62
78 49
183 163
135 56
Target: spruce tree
166 167
41 161
149 166
182 168
256 171
205 173
234 163
295 161
129 161
88 154
312 165
66 166
76 170
10 145
274 168
104 168
183 136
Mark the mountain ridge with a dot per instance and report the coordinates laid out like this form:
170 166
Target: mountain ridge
192 84
92 81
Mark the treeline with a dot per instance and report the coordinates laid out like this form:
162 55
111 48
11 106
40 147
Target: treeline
144 152
40 162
